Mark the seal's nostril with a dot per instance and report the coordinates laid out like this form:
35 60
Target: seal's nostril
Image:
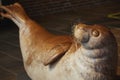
77 27
80 26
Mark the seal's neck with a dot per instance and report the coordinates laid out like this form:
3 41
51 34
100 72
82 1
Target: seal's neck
96 63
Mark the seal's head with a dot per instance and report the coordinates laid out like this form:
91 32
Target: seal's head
93 36
98 51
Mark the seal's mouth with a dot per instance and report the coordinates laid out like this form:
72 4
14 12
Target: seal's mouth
81 34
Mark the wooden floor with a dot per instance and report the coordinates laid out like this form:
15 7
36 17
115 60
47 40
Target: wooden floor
11 65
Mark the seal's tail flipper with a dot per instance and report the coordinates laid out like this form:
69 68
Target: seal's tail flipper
15 12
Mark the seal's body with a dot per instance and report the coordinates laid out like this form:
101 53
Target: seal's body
90 55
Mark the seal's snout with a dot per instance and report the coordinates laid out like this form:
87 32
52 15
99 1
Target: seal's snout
81 33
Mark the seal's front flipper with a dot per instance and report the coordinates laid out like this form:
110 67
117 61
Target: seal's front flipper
56 53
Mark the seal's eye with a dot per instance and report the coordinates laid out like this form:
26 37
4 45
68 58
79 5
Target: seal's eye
95 33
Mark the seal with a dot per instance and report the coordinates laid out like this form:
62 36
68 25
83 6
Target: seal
89 54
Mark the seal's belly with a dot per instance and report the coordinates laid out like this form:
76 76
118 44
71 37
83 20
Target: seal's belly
63 70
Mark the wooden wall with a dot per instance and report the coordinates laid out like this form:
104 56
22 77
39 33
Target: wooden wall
43 7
